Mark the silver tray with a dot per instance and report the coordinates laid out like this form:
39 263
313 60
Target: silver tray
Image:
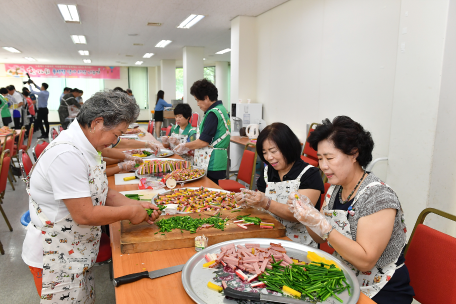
194 188
170 153
161 175
195 277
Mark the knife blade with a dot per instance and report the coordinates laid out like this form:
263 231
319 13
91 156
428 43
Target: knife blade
240 295
130 278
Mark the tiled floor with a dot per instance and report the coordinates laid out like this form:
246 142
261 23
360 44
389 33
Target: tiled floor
16 282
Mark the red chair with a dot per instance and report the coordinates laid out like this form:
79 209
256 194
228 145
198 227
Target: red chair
5 161
60 129
29 141
20 143
105 253
246 172
428 259
309 155
10 147
194 119
324 246
167 130
40 145
5 141
25 163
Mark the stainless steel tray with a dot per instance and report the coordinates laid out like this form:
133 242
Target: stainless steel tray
161 175
194 188
195 277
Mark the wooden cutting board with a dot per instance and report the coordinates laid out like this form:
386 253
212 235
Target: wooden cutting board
142 237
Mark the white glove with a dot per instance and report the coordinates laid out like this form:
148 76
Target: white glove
251 198
154 146
174 141
136 159
134 151
181 149
307 214
127 166
164 140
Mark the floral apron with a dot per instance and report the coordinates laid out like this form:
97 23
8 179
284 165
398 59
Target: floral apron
279 192
372 281
70 250
203 156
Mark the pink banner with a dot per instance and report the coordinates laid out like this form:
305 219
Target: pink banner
62 71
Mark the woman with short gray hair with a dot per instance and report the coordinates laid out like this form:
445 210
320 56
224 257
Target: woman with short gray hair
69 200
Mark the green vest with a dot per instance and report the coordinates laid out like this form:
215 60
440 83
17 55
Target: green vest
189 131
219 156
5 110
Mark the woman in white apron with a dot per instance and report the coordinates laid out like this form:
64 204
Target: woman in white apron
70 199
285 173
362 218
182 132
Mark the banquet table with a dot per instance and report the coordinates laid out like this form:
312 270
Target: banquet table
2 136
160 290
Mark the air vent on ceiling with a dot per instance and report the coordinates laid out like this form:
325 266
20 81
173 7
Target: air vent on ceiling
154 24
138 44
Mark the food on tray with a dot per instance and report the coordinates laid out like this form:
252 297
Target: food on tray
161 166
143 153
6 130
186 174
190 224
246 220
273 269
197 200
163 154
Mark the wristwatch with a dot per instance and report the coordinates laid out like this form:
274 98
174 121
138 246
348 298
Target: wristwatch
326 235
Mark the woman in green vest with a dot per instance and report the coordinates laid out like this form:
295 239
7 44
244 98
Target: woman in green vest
6 114
213 134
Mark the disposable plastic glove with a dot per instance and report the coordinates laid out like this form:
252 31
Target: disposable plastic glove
307 214
153 146
174 141
134 151
164 140
136 159
254 198
127 166
181 149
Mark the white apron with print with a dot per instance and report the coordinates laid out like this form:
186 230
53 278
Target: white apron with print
70 250
372 281
203 155
279 192
182 140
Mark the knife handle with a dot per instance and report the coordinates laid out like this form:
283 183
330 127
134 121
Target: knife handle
232 293
130 278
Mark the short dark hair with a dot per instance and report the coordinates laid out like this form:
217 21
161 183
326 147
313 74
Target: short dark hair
183 109
45 85
202 88
3 91
75 90
129 91
287 142
25 93
347 136
11 87
119 89
67 89
24 89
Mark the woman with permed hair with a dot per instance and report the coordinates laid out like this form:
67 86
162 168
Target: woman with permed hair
69 200
286 172
362 218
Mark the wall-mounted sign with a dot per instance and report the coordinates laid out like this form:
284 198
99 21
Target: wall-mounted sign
62 71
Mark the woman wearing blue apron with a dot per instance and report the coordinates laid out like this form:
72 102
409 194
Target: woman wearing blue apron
213 133
285 173
362 218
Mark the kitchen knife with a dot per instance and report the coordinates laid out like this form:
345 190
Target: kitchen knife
129 278
240 295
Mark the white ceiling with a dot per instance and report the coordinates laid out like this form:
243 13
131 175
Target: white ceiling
36 28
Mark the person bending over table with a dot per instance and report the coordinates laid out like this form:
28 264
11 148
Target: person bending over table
213 134
69 200
160 105
183 131
285 172
362 218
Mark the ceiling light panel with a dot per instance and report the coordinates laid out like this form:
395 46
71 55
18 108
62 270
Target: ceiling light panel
163 43
148 55
79 39
190 21
139 62
87 61
11 49
30 58
83 53
223 51
69 13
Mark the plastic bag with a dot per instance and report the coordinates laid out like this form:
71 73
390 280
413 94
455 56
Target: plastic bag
146 183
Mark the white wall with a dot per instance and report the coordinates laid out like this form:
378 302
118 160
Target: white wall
168 79
222 81
319 59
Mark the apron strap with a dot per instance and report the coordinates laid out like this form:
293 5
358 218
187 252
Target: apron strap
304 171
226 126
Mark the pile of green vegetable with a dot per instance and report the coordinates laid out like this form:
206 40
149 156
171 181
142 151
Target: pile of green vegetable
190 224
249 219
313 280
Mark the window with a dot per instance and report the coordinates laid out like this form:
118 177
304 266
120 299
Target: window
89 86
138 82
209 74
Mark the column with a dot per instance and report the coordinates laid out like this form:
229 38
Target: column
193 71
243 59
152 87
157 79
168 78
221 82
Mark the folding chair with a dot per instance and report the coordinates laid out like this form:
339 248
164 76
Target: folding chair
428 257
25 163
29 141
194 120
246 172
19 144
40 145
309 155
5 161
